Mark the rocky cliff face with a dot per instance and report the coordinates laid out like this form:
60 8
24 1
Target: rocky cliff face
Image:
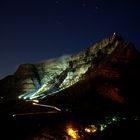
61 73
107 68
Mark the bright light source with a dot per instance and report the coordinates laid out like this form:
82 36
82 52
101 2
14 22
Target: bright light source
115 118
114 33
36 101
87 130
91 129
73 133
103 126
14 115
34 104
1 97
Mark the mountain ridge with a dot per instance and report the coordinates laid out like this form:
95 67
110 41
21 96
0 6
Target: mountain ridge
101 69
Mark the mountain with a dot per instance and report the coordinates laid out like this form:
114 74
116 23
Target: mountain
107 71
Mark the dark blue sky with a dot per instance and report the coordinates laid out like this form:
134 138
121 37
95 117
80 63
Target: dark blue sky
35 30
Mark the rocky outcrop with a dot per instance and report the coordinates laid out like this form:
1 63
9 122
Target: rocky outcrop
25 79
113 79
108 69
28 77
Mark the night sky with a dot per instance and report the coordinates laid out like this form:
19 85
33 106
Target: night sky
35 30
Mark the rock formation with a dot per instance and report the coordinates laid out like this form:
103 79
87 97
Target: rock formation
108 69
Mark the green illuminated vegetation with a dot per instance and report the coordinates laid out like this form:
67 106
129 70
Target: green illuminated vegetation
99 127
102 125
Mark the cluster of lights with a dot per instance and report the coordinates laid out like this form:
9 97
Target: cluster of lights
74 133
103 127
91 129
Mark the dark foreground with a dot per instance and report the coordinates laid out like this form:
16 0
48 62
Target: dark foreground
53 125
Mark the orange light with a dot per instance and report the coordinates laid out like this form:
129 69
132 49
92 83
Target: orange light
72 133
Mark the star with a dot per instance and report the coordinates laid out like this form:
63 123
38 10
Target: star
84 5
97 7
57 2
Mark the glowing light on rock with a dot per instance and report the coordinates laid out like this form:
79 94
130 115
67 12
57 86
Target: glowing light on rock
73 133
57 75
60 73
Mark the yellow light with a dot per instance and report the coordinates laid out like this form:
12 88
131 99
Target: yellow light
34 104
36 101
91 129
87 130
72 133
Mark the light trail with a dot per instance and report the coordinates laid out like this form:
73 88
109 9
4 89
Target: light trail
42 105
34 113
48 106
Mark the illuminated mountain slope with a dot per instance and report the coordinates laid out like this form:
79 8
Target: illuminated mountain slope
60 73
105 68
